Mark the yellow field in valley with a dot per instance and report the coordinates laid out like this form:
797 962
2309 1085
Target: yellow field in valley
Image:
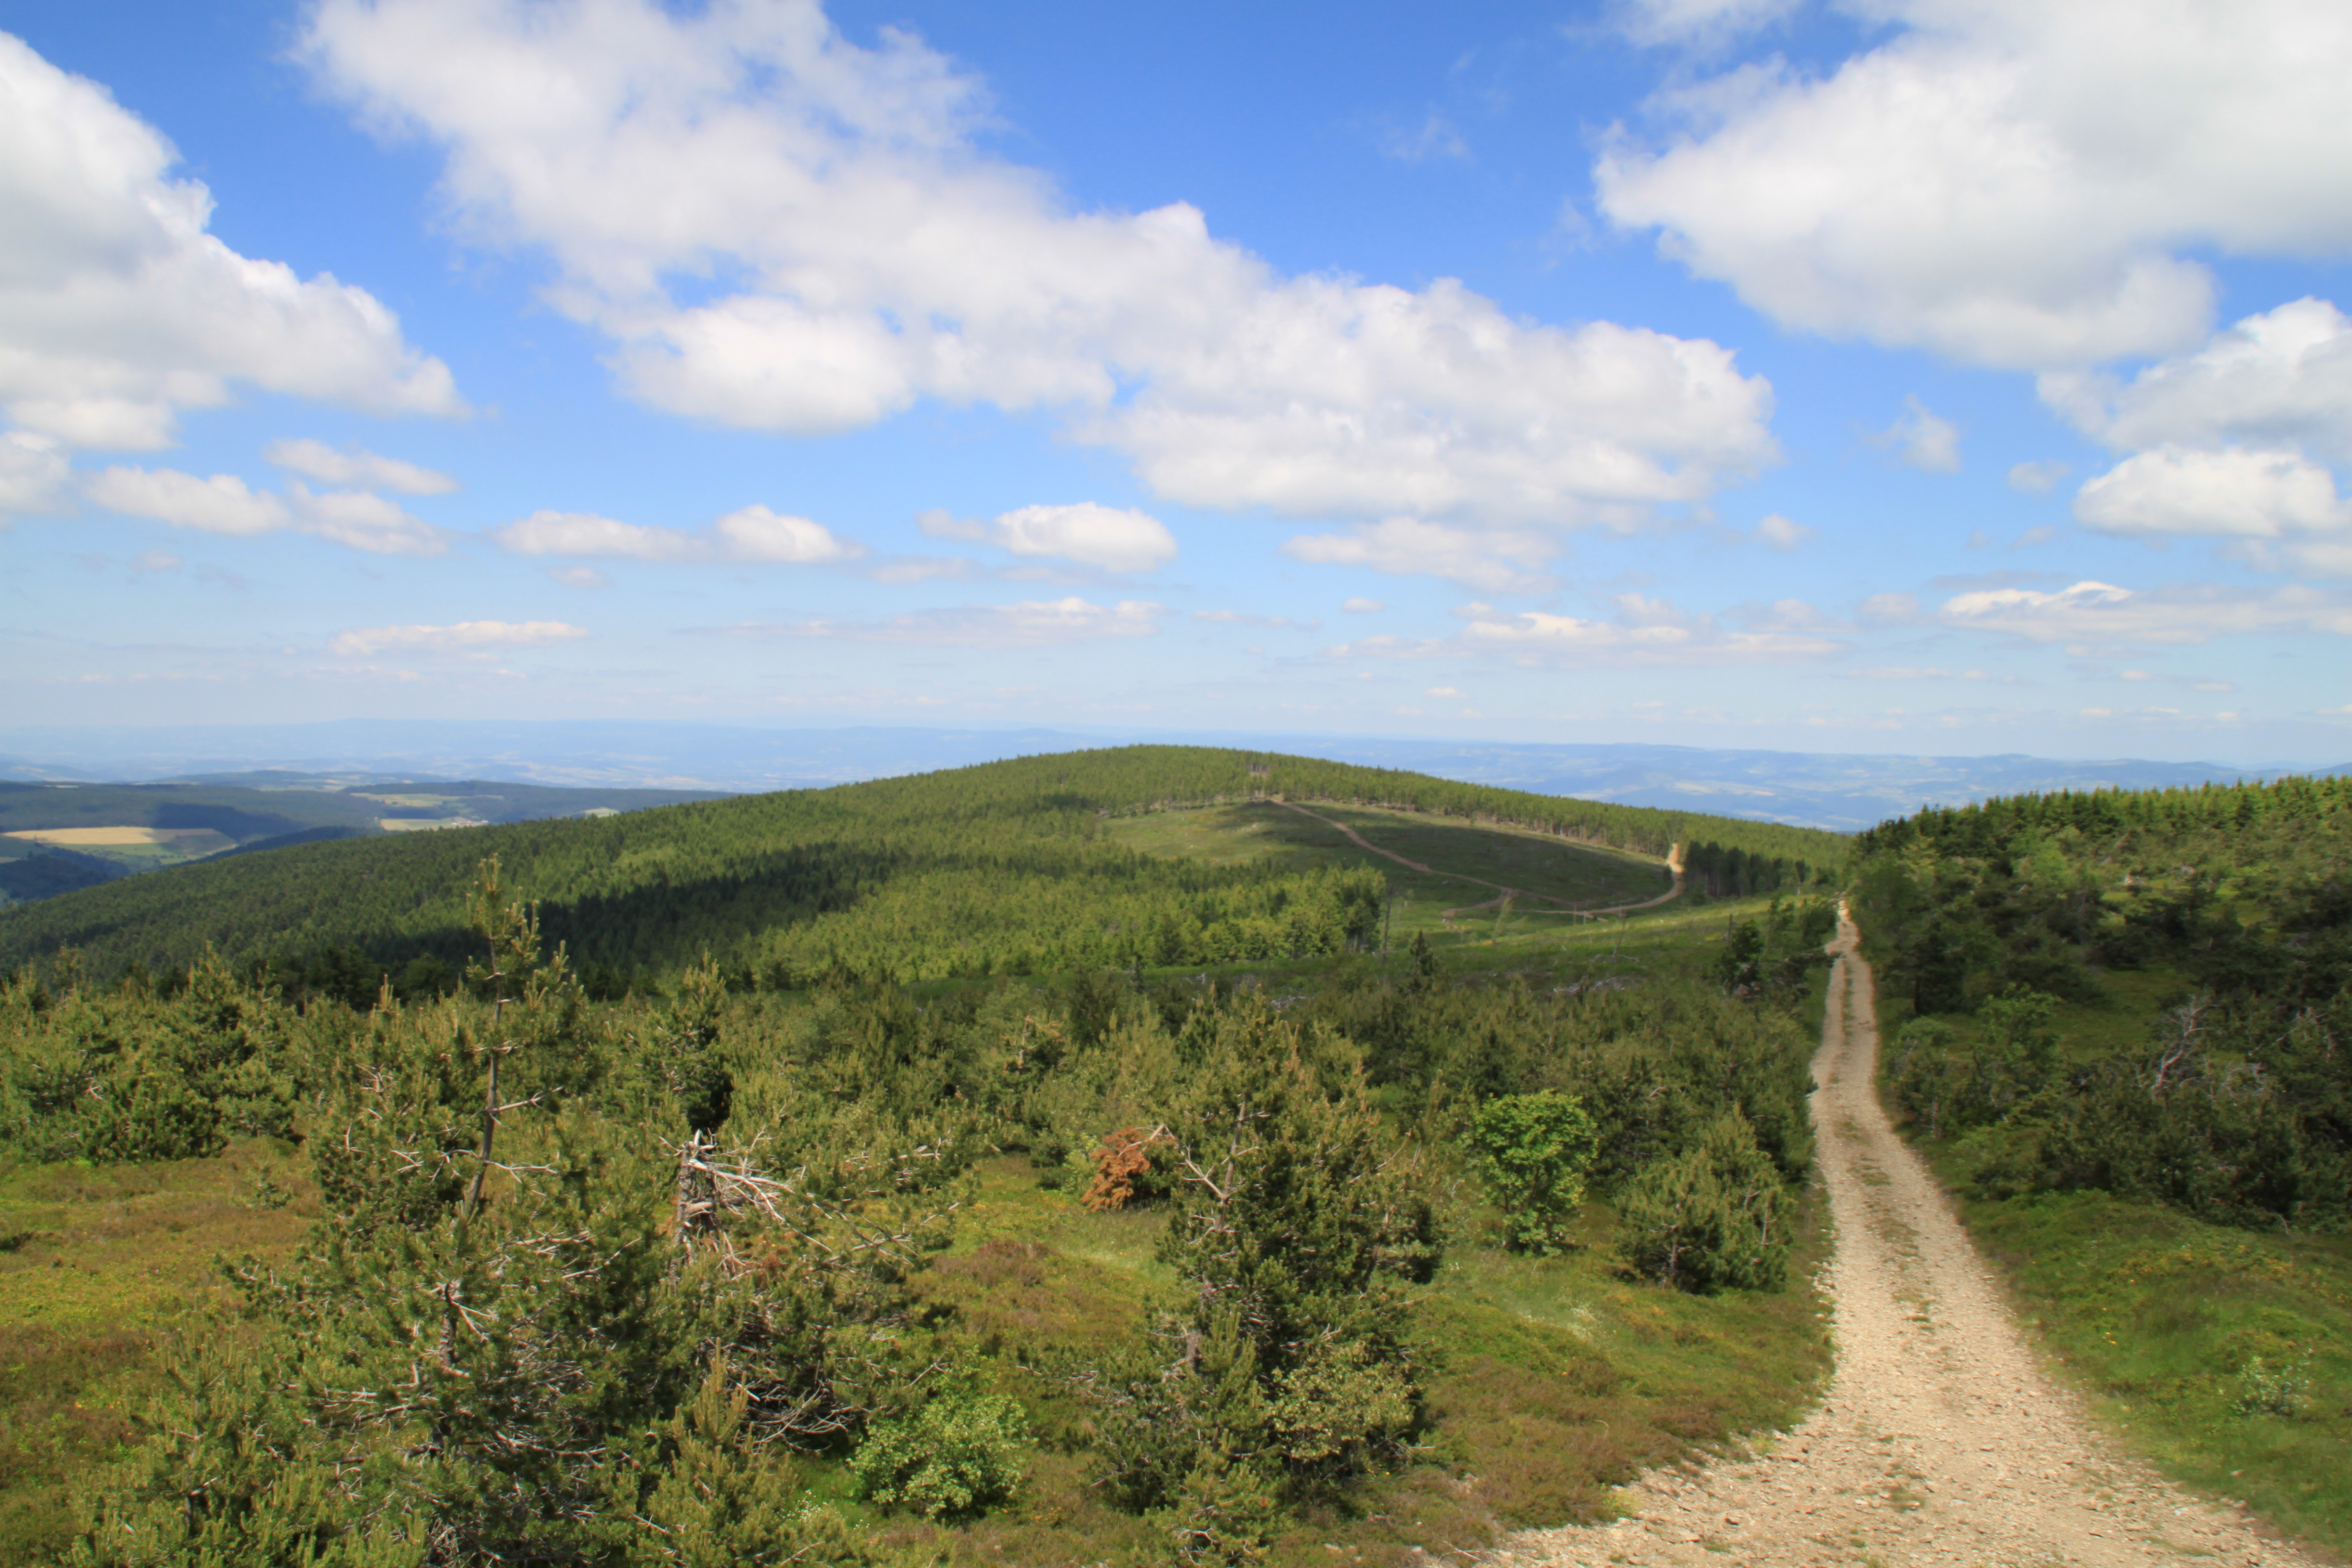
186 840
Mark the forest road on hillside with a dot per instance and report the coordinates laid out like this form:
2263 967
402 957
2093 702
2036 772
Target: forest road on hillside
1941 1439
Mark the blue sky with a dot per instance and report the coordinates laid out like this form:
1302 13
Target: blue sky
1906 375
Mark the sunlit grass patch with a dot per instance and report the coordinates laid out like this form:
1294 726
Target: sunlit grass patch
108 1259
2181 1328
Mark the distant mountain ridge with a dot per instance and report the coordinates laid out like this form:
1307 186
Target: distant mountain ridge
1841 792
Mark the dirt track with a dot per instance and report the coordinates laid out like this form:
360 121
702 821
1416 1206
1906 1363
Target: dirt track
1941 1439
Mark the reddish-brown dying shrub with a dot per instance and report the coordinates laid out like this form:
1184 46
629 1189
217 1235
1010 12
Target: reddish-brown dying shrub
1131 1163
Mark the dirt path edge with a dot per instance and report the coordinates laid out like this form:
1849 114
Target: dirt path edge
1942 1439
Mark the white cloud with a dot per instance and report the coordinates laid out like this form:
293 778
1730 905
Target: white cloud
1493 560
1922 440
2038 478
479 638
2277 379
549 533
1236 618
1361 606
2274 506
354 467
579 577
33 474
1114 538
756 534
753 533
221 504
1645 633
1909 672
362 520
1697 22
873 254
118 310
226 504
1033 623
2009 182
2100 615
1781 533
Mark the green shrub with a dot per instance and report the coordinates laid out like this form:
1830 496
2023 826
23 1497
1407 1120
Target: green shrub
1531 1152
957 1455
1713 1217
2265 1390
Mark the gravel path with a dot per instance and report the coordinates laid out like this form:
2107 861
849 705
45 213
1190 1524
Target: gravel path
1941 1439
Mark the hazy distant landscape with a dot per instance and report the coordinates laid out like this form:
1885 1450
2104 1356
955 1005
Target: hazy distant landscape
1843 793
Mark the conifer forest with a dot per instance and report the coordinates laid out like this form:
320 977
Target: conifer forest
1148 1155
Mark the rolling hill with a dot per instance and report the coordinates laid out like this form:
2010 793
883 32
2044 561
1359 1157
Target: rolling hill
1007 866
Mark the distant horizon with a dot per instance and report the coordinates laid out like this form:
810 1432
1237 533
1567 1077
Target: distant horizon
1843 792
1136 734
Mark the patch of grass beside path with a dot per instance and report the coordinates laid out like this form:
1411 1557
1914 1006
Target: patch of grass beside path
2224 1355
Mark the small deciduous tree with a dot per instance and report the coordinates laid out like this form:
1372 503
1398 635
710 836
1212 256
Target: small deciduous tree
1531 1152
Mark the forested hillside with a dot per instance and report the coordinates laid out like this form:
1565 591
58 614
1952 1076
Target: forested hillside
1005 867
1299 1249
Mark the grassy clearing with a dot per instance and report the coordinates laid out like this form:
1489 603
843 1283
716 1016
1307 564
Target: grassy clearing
1475 855
2224 1355
1559 1379
96 1266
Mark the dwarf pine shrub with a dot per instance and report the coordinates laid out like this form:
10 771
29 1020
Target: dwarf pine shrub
1715 1217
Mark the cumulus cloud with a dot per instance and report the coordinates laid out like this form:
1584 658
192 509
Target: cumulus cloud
1033 623
1922 440
753 533
1645 632
221 504
1114 538
2007 182
2099 615
1781 533
33 474
478 638
226 504
2274 506
1492 561
2278 379
355 467
867 253
1362 606
118 310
